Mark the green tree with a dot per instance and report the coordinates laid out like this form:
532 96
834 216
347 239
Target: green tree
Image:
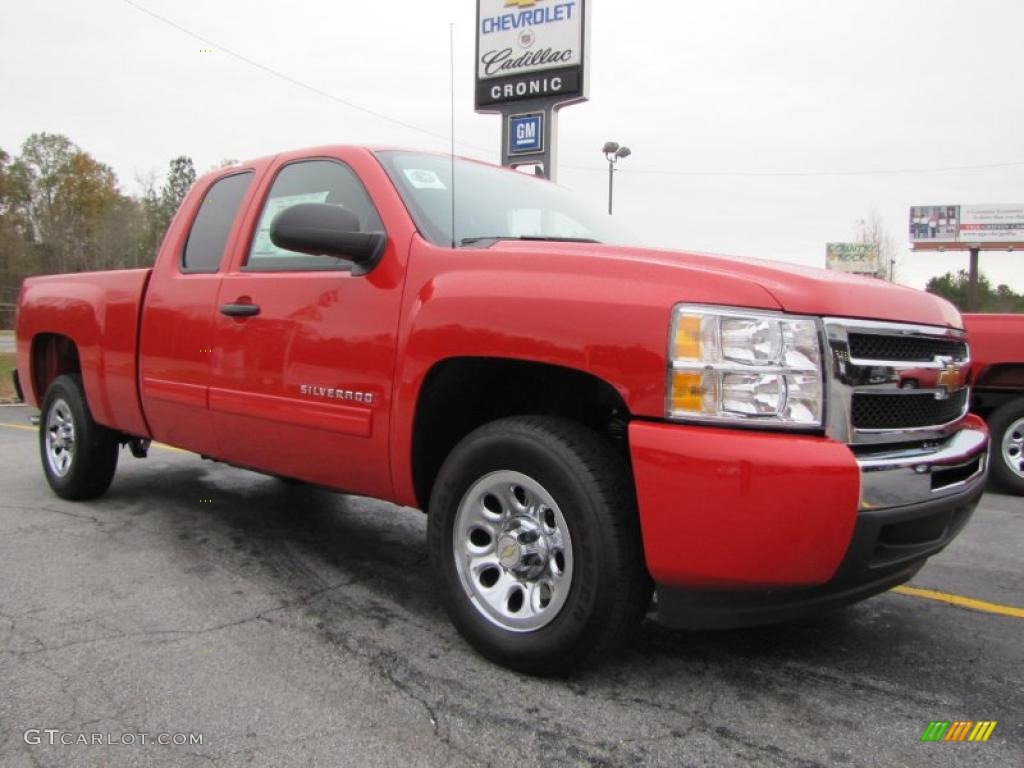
69 194
181 175
61 211
159 207
13 228
40 169
954 288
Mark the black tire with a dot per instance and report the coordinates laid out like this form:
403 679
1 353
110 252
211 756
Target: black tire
1006 423
92 458
609 590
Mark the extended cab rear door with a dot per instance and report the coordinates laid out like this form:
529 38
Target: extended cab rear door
176 342
301 383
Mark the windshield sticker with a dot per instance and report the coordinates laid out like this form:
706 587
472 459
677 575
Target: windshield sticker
423 179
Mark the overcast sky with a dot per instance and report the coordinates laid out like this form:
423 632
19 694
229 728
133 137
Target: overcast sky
724 104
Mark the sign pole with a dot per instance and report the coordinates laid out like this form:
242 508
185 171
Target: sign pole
529 136
611 183
972 280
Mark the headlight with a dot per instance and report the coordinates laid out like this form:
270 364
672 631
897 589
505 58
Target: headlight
745 366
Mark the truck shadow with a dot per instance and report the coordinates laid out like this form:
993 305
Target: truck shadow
341 559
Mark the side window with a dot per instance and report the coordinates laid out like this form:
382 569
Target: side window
310 181
204 248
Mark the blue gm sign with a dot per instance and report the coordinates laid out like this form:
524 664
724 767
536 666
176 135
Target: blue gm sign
526 133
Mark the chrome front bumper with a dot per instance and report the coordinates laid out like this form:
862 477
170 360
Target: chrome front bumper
954 466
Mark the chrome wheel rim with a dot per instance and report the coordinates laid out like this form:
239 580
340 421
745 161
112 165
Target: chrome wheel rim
1013 447
60 438
513 551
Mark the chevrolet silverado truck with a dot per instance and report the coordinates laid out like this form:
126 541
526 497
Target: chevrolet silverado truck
997 388
583 420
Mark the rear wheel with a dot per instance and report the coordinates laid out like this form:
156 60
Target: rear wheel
79 456
1007 427
534 537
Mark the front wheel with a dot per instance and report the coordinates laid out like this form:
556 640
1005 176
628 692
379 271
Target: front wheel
1007 427
79 456
534 537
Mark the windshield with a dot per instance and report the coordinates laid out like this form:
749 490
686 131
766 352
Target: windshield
491 203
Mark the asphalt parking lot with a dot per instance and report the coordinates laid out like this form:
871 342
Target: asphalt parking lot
292 626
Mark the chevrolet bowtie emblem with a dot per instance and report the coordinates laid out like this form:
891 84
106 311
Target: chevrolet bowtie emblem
521 3
949 378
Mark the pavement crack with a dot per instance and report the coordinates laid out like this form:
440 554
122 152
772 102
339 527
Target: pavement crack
54 510
387 668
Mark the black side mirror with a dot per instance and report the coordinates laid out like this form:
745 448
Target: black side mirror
320 229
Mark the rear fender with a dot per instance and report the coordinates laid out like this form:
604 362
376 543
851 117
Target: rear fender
93 317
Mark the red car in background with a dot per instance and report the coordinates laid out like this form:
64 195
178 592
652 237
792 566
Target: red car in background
997 385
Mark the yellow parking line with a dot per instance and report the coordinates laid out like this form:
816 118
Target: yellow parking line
19 426
962 602
167 447
36 429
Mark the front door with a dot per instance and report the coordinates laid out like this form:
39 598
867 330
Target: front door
301 384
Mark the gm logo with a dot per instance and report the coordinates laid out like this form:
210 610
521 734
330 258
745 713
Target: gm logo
526 133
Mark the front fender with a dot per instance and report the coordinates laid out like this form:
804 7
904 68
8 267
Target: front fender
605 317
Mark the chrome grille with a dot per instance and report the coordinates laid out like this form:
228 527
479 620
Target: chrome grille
905 410
871 346
893 382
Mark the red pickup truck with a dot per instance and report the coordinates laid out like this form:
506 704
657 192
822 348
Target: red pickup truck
997 389
583 420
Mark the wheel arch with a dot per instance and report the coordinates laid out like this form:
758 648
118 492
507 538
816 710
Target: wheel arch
52 355
459 394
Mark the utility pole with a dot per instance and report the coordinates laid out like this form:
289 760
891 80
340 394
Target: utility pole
613 152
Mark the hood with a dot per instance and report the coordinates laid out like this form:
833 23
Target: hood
796 289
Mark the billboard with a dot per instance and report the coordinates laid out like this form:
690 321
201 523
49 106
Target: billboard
528 50
857 258
995 227
991 223
934 223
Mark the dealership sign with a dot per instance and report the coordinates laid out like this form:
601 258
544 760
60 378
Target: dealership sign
531 60
528 50
857 258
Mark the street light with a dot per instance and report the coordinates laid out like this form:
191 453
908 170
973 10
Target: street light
613 153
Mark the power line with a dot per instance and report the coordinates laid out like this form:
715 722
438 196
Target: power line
298 83
643 171
778 174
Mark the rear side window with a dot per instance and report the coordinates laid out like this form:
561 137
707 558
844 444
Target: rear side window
204 248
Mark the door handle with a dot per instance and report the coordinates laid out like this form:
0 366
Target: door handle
239 310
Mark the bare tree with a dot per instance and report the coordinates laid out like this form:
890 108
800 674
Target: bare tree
872 230
222 164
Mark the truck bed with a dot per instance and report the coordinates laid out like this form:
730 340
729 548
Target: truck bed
99 311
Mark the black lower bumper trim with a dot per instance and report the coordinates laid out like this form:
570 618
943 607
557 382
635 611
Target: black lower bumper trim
887 548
